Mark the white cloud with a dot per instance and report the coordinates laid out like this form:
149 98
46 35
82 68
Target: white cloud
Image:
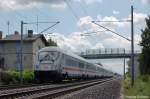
115 12
89 1
139 18
98 45
23 4
145 1
105 39
85 22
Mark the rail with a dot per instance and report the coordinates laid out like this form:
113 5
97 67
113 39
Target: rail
44 91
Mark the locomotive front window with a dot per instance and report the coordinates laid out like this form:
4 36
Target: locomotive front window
48 57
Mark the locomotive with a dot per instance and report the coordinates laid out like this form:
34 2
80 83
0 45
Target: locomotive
53 63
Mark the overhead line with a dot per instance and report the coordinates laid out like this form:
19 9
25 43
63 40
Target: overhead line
85 34
74 14
49 27
115 21
83 8
111 31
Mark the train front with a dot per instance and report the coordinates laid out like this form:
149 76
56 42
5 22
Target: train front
47 68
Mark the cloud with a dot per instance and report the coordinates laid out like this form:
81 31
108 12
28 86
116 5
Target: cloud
145 2
89 1
22 4
115 12
139 18
73 42
104 39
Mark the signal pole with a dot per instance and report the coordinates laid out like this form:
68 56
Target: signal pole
8 23
124 64
132 47
21 52
21 43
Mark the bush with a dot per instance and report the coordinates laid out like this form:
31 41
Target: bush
13 77
28 76
6 78
141 86
145 78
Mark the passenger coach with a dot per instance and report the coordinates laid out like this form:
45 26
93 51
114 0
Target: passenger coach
53 63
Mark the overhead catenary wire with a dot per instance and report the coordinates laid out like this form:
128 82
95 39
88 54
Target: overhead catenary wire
71 9
73 12
49 27
83 8
118 21
110 30
93 32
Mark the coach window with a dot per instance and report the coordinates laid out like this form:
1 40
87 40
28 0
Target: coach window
81 65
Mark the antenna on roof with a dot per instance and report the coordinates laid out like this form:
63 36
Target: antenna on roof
8 23
37 24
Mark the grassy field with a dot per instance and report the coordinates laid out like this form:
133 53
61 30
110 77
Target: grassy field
140 88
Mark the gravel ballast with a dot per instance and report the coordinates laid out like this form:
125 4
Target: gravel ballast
108 90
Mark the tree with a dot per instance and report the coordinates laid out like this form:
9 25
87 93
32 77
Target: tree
145 43
51 43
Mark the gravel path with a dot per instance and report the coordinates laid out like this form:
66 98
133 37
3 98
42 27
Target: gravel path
109 90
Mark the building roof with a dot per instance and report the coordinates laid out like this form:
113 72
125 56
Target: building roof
15 38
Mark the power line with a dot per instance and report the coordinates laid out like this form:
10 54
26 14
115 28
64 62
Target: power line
93 32
49 27
71 9
110 30
83 8
115 21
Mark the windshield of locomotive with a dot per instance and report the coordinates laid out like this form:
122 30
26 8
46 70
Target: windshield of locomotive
48 56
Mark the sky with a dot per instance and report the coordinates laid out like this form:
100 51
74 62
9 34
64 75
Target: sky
75 16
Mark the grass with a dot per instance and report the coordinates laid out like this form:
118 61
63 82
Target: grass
141 86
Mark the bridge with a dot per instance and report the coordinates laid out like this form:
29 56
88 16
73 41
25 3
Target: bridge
108 53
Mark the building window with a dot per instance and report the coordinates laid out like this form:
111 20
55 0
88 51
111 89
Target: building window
2 61
39 47
24 58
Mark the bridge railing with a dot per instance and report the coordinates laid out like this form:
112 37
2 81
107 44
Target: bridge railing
108 51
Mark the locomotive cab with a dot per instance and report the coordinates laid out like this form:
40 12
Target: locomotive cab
47 66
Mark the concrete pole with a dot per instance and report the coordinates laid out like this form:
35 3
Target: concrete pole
21 52
132 46
124 64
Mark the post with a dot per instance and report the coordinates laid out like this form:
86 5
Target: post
132 46
124 65
37 24
21 52
8 23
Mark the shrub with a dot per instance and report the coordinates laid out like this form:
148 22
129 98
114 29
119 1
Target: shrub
6 78
13 77
145 78
28 76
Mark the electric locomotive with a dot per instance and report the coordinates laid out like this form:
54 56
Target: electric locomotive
53 63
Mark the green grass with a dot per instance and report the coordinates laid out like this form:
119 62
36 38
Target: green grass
141 86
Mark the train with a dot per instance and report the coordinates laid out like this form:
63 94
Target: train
55 64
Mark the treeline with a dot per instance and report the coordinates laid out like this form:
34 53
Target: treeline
51 42
144 59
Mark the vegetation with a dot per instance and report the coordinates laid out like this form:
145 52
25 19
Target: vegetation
140 88
13 77
51 43
142 83
145 43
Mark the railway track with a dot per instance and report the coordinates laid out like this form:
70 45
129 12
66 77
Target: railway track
15 86
48 91
8 87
